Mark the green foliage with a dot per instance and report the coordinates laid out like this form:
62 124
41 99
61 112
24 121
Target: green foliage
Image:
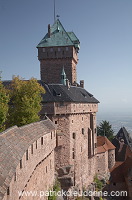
56 188
105 129
52 197
82 198
4 99
25 101
99 183
79 198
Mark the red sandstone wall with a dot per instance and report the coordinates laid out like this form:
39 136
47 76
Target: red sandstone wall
62 150
37 173
111 158
69 108
72 118
53 59
73 150
102 164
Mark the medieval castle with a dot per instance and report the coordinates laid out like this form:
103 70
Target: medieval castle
64 144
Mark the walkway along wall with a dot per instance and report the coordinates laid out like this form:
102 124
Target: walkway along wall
27 160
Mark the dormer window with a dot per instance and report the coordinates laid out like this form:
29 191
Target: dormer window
84 95
55 93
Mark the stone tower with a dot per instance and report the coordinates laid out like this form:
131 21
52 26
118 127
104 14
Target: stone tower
70 107
56 50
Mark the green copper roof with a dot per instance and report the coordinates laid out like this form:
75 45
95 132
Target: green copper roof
59 37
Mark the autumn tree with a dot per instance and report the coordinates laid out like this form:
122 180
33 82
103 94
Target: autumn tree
105 129
25 103
4 99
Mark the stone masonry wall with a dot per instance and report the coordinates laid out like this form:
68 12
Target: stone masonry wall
76 139
102 164
79 124
69 108
42 179
62 150
52 60
111 158
36 169
72 148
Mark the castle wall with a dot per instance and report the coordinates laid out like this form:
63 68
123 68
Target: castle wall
69 108
72 143
102 164
35 172
62 150
84 167
42 179
111 158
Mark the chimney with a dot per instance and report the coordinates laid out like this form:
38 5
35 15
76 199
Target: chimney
82 83
74 84
68 85
49 31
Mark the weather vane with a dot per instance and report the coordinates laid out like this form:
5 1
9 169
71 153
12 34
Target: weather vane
57 16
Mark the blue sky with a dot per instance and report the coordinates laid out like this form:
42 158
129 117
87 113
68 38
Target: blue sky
104 28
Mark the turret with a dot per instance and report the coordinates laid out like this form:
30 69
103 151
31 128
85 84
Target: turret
63 77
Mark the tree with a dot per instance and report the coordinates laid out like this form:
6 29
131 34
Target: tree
4 99
105 129
25 102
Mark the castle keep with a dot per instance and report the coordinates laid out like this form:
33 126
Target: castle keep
64 144
69 106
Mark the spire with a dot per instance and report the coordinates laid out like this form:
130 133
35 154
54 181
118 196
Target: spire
63 77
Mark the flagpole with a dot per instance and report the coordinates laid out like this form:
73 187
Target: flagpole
54 10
